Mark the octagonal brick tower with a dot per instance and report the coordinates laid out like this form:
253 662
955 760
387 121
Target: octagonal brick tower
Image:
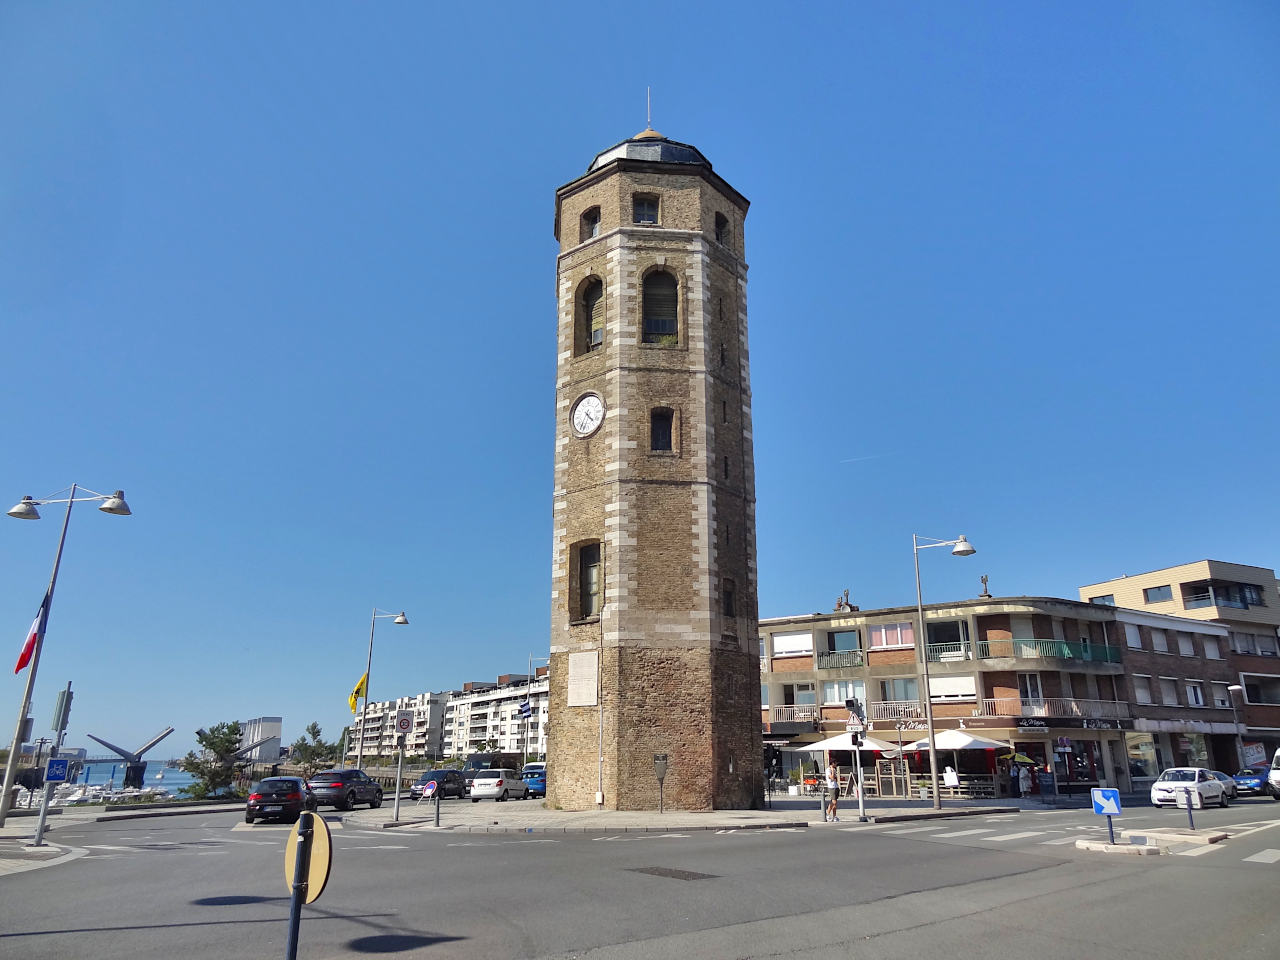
654 634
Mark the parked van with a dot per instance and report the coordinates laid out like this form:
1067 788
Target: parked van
1273 778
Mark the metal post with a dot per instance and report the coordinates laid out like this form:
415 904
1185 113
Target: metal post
11 765
1111 831
438 805
928 697
1235 726
364 710
399 777
1191 820
301 866
857 766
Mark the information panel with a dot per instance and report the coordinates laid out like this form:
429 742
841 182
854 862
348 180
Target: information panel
583 674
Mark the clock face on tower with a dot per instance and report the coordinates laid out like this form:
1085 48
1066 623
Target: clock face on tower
587 414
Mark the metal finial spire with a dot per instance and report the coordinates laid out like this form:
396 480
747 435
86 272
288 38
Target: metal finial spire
648 109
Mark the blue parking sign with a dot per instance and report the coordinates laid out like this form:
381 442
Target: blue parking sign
1106 801
55 770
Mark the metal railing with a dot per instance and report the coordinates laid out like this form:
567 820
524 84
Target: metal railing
804 711
839 658
1052 707
895 710
1031 649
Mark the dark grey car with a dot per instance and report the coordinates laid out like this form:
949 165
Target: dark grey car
449 783
343 789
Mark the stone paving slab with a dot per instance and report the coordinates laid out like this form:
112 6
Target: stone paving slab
1175 835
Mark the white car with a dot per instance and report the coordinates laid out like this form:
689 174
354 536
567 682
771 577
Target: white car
1172 785
500 783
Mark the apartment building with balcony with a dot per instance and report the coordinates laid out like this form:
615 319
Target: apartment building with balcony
488 716
425 740
1081 689
1242 598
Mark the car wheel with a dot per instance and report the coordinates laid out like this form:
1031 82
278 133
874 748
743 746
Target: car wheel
1198 801
346 803
503 798
248 818
1222 799
475 799
376 802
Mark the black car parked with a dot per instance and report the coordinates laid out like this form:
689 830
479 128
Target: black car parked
343 789
279 798
449 783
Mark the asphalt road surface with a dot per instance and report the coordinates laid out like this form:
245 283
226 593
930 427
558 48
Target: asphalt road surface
1007 886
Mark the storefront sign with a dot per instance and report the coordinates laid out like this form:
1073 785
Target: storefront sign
1254 752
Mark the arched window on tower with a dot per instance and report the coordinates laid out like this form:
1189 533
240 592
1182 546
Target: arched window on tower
589 322
659 311
589 225
722 228
586 588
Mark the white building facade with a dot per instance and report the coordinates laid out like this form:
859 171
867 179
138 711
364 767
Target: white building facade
490 715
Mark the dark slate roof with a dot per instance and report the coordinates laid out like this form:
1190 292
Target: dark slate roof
648 144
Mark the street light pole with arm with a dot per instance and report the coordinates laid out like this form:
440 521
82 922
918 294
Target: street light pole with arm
960 548
1232 690
368 669
26 510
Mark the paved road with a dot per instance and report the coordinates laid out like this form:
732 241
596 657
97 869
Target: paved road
1003 886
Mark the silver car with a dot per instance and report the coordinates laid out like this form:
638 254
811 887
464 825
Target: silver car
500 783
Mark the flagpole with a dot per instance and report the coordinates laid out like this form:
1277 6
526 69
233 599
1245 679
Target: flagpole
11 765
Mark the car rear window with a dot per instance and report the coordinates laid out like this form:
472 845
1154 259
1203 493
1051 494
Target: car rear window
489 774
327 775
1180 775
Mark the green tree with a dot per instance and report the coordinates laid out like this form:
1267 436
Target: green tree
214 767
311 752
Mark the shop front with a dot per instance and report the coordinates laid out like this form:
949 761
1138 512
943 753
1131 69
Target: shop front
1065 756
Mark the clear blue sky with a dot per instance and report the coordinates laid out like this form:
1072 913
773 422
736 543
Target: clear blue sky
284 273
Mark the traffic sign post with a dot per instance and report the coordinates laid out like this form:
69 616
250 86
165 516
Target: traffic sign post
308 856
55 769
1106 802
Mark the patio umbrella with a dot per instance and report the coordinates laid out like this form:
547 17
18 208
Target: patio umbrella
843 741
957 740
1017 757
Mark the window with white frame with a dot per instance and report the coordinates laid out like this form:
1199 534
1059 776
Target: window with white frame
1159 642
1243 643
1211 649
1142 688
799 694
792 642
952 688
1195 693
1220 694
1169 691
1186 646
838 691
1266 646
891 635
1133 636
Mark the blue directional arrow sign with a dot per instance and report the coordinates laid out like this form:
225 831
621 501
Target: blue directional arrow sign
1106 801
55 770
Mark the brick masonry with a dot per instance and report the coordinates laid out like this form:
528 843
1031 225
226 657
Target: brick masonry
677 674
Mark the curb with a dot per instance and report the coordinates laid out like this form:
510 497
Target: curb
1133 849
943 814
1170 836
490 828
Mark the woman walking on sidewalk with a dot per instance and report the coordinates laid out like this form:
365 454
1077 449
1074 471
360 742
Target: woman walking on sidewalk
833 794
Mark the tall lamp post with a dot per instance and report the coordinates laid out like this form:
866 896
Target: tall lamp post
26 510
960 547
368 667
1235 723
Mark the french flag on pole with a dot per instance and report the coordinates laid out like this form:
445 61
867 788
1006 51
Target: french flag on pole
36 632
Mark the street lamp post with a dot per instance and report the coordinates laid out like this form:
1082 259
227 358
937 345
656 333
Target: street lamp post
26 510
960 548
368 667
1235 723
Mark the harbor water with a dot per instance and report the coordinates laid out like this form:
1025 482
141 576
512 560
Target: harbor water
158 776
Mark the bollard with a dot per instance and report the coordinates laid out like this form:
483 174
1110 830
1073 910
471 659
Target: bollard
1190 819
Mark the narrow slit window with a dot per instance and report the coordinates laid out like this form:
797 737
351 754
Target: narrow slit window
659 321
590 332
660 421
589 225
722 228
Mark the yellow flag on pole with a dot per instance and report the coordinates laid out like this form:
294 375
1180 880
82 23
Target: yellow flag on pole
361 690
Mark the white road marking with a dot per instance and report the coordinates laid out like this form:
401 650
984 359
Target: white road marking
375 846
1016 836
960 833
1264 856
1060 840
916 829
998 819
1199 851
103 846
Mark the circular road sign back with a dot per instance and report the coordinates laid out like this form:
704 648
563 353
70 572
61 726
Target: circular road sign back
429 788
321 857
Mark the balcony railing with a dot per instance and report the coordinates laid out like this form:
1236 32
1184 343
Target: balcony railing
1052 707
895 710
1032 649
804 711
839 658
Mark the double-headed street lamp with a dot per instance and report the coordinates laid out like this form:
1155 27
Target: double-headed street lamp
960 547
368 667
26 510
